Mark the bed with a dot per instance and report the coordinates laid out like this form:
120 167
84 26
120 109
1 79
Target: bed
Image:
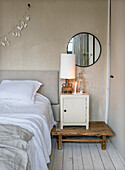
34 121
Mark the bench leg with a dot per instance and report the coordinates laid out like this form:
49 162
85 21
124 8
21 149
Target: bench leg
60 142
103 142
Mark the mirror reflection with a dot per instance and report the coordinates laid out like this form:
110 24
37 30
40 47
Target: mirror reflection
86 47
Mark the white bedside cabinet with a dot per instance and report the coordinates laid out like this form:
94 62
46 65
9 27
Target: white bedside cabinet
74 110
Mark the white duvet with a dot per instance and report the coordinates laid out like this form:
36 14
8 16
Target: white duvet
37 118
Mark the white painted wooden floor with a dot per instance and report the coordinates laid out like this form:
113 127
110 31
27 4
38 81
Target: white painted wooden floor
85 156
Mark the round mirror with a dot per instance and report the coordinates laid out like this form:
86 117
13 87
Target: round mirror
86 47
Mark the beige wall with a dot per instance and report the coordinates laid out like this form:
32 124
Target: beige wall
117 87
53 23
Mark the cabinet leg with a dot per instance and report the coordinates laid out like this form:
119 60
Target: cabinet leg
60 142
103 142
61 126
87 126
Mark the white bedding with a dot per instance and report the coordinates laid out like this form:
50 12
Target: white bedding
37 118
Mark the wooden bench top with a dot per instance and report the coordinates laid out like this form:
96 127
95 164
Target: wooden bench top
95 129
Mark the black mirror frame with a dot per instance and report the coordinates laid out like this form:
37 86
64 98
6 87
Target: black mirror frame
98 42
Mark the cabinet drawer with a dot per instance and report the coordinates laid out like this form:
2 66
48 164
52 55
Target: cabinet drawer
74 110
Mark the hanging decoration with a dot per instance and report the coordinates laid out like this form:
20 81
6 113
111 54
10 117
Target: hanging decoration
16 30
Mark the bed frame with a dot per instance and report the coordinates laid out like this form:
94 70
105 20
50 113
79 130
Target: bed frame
49 79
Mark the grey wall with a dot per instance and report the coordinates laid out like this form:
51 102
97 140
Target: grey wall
53 23
117 87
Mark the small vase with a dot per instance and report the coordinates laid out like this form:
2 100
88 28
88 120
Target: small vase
80 85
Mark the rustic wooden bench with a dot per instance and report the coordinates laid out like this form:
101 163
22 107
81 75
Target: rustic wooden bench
96 129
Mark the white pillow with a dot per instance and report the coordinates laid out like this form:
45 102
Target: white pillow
19 90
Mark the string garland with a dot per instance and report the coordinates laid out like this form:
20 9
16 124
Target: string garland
16 30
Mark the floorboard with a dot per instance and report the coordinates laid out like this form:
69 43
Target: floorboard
85 156
68 157
97 161
118 164
58 159
107 162
77 158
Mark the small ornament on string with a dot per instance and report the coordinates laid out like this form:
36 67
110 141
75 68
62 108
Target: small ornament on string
3 43
6 41
16 31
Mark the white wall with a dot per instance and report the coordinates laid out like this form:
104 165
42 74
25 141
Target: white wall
117 87
53 23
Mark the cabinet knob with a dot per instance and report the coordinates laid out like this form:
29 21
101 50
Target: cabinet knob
111 76
64 110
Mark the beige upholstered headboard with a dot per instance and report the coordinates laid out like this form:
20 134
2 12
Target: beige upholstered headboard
49 79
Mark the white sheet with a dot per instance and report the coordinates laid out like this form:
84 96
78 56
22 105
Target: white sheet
38 118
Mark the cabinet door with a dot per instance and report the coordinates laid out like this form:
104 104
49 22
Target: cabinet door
74 110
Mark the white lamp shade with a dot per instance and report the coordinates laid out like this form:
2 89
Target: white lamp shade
67 66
